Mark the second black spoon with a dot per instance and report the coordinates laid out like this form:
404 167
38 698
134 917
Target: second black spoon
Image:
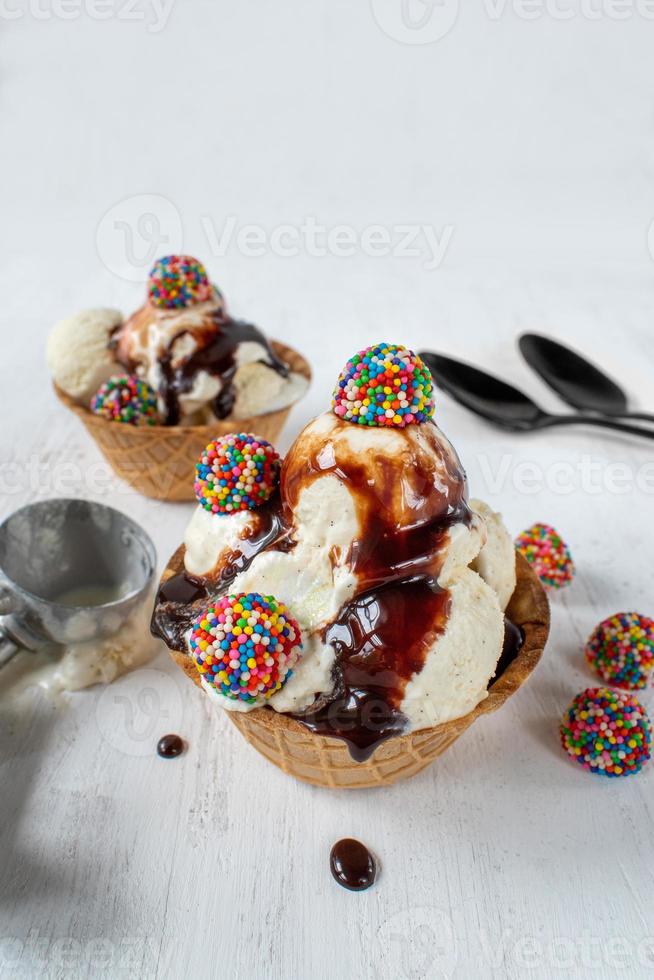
505 405
576 380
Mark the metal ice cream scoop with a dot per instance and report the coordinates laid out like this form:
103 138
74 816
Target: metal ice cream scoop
70 571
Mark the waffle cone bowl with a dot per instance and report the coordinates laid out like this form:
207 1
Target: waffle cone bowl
324 761
159 460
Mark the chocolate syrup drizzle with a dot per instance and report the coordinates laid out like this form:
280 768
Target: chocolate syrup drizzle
513 640
183 597
218 337
382 635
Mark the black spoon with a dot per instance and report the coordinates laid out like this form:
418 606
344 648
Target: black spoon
505 405
574 379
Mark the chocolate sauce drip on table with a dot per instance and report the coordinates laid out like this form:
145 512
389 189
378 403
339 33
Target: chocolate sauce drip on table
384 633
352 865
216 354
170 746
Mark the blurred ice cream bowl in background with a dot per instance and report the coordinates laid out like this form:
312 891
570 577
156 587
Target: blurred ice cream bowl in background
175 373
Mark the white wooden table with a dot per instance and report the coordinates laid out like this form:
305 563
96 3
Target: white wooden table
503 859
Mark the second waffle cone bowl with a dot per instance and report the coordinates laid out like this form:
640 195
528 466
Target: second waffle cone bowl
159 461
324 761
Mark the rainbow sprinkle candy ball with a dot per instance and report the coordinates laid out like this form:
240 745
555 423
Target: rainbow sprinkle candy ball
548 555
386 384
177 281
245 646
607 732
127 400
621 650
236 472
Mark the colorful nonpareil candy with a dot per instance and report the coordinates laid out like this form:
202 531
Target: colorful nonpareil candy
245 646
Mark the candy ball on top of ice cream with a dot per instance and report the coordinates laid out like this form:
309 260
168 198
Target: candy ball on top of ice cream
177 281
245 647
384 385
607 732
548 555
621 650
128 400
236 472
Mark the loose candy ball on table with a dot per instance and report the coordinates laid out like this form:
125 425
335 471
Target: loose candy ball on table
236 472
621 650
128 400
384 385
548 555
177 281
245 646
607 732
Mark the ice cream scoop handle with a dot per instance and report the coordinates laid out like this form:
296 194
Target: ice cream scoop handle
6 600
8 649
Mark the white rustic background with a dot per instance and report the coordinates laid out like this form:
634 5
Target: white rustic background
522 139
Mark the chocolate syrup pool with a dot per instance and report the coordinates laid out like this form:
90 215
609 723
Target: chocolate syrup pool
170 746
352 865
383 634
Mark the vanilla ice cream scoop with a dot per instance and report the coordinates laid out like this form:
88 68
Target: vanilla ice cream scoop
78 352
369 543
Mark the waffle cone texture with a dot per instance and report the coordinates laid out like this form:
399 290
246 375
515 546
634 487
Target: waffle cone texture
324 761
159 460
